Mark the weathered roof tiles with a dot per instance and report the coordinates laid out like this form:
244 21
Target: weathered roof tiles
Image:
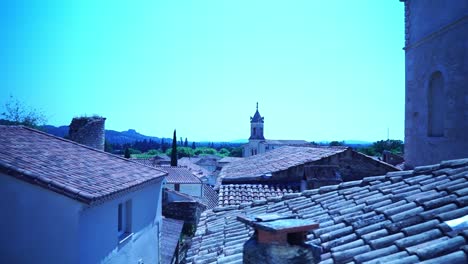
403 217
235 194
66 167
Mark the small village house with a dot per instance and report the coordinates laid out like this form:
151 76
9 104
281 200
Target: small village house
64 202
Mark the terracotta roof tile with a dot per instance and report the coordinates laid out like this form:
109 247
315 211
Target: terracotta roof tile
397 217
66 167
179 175
170 235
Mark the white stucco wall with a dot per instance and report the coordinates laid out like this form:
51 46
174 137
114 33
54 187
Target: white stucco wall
36 225
191 189
99 236
41 226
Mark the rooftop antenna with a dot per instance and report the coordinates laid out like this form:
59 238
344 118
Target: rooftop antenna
388 133
257 106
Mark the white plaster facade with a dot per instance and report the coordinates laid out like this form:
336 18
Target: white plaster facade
193 189
41 226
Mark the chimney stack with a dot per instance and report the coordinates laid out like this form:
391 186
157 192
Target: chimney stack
279 239
88 131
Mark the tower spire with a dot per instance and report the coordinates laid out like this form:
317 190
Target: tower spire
257 106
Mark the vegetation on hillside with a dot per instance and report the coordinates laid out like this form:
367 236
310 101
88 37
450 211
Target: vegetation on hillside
377 148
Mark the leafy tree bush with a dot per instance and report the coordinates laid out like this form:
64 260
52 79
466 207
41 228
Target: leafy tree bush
336 143
378 147
205 151
236 152
154 152
17 113
224 152
181 152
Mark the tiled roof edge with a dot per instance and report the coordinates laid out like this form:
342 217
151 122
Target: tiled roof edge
376 161
393 176
68 191
87 147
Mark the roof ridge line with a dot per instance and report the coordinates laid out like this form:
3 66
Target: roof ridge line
87 147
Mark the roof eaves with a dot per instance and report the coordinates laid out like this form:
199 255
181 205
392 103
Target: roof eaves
80 196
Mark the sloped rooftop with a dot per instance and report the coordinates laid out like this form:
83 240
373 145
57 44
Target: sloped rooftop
170 234
404 216
235 194
229 159
210 197
197 170
66 167
179 175
286 142
276 160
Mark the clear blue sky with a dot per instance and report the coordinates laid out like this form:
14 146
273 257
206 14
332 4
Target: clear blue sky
320 70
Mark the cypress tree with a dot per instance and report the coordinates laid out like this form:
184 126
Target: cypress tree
174 150
127 153
193 145
186 143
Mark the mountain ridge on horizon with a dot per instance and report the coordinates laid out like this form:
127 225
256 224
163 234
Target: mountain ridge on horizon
131 135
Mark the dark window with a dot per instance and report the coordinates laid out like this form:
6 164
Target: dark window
124 225
436 105
119 228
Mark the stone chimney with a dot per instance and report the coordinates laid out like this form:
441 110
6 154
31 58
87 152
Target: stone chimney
88 131
279 239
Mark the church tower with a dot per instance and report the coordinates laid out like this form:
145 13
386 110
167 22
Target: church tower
256 126
436 119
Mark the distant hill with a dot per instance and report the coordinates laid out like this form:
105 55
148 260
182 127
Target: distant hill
129 136
60 131
112 136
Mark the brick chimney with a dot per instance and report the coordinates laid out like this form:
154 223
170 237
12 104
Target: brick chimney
279 239
88 131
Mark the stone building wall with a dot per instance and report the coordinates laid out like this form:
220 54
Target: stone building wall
355 166
89 131
436 43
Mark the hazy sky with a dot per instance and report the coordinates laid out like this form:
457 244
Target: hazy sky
320 70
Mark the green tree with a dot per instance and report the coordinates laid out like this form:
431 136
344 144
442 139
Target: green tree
378 147
174 150
163 145
108 146
224 152
17 113
205 151
193 145
181 152
127 153
336 143
186 143
153 152
236 152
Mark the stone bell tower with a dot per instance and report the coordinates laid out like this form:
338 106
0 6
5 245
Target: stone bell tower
256 126
436 119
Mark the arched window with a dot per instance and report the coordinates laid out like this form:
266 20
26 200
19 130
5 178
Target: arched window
436 105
